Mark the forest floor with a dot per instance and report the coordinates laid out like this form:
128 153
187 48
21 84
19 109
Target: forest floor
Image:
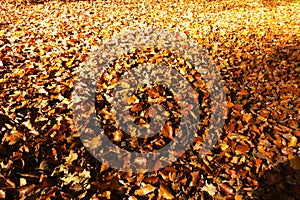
254 44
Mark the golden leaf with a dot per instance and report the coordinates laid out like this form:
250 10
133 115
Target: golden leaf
68 64
210 189
72 156
165 192
144 190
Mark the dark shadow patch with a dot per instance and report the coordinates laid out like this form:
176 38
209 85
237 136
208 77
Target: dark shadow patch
281 183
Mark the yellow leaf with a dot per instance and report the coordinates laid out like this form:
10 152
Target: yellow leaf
23 181
68 64
19 21
244 32
293 142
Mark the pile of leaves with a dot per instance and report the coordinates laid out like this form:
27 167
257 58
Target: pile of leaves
256 47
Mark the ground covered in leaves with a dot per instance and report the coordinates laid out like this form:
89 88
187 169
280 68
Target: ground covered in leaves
256 47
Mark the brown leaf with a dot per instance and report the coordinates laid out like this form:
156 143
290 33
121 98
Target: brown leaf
226 188
229 127
2 194
5 183
247 117
229 104
243 92
103 167
295 163
167 131
25 190
242 149
151 179
136 107
117 135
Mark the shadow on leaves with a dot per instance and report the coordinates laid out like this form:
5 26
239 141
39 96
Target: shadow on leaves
281 182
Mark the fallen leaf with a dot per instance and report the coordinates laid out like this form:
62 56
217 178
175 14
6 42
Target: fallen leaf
144 190
293 142
72 156
165 191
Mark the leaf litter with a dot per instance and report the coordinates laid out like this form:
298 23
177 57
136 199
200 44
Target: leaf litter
256 47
